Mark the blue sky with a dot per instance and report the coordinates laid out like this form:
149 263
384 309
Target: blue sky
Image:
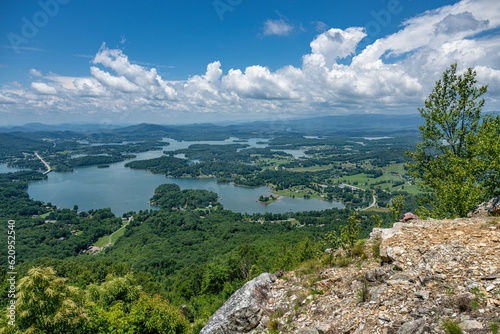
221 60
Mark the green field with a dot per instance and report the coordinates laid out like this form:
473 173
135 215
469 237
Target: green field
102 241
298 193
391 173
115 236
272 163
45 215
105 240
310 169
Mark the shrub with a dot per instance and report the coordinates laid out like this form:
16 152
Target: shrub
452 327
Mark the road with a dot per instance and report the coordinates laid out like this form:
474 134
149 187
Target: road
372 204
49 169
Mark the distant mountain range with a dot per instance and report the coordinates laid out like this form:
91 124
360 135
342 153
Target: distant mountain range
318 126
37 127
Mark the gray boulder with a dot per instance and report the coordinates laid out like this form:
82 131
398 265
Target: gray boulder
243 311
414 327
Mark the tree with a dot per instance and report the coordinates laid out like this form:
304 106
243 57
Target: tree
396 206
46 304
457 160
349 234
377 220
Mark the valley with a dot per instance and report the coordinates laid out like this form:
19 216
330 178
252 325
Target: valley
194 211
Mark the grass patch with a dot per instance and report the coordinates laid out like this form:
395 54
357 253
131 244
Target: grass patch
375 209
391 173
105 240
376 248
297 193
316 168
343 262
115 236
102 241
359 180
451 327
45 215
358 249
272 163
363 292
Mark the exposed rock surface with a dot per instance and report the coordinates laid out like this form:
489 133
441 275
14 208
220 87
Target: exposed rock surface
489 208
431 271
244 310
408 216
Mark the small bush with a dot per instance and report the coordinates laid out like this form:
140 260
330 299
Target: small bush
358 249
298 302
273 325
343 262
494 328
363 292
452 327
309 267
463 303
327 259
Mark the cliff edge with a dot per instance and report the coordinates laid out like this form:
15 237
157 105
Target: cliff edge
431 276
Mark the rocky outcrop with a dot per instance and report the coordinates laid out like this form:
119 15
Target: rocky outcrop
489 208
408 216
429 272
244 310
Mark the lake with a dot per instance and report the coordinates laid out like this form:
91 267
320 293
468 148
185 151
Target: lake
123 189
5 169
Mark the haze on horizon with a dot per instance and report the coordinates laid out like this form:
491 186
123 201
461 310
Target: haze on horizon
173 62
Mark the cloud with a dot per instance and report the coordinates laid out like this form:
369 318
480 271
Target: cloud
277 27
258 82
119 83
130 77
320 26
393 74
35 73
462 22
6 99
43 88
89 87
336 44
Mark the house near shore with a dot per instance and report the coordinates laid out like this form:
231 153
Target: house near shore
93 249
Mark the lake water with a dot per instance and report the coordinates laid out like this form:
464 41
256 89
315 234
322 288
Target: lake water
123 189
5 169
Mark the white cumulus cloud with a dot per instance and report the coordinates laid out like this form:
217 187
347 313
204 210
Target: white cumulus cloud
335 44
393 74
43 88
119 83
